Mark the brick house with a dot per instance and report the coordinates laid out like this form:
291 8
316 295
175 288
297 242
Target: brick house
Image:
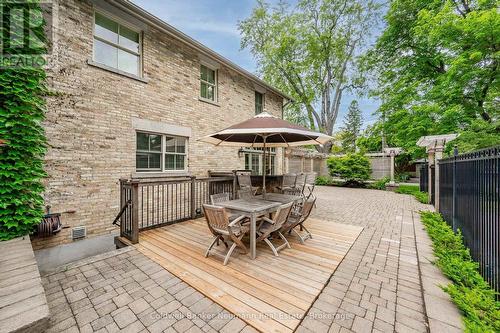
131 97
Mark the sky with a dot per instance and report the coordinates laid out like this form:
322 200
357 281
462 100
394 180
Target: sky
214 23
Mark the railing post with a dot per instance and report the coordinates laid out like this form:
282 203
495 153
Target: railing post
135 212
235 184
193 197
122 202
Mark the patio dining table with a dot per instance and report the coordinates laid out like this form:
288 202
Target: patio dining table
256 207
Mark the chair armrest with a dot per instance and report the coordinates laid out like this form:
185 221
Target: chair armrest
237 220
267 220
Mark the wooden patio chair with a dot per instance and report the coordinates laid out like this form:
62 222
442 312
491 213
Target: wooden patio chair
297 219
288 183
215 199
245 182
268 227
300 184
224 229
310 183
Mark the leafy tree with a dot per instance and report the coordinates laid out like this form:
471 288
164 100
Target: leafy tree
310 52
354 168
437 69
371 138
352 127
21 113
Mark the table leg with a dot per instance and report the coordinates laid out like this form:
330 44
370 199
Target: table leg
253 232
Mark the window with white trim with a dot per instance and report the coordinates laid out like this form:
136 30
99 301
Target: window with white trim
259 102
160 153
254 160
116 45
208 83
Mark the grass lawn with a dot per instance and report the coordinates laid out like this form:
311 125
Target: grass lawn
415 191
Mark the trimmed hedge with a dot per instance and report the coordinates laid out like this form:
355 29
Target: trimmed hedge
468 290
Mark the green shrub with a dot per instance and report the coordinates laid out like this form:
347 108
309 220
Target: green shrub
324 180
22 105
380 184
414 190
355 169
468 290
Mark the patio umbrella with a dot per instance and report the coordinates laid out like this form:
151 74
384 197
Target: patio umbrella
266 131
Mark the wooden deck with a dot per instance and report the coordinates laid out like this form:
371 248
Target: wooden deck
270 293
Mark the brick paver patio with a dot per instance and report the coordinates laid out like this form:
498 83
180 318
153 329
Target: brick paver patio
377 287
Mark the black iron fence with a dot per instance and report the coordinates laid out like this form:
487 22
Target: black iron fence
469 200
149 203
424 177
424 180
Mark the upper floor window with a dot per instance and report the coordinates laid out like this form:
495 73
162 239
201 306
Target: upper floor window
259 102
157 152
208 83
116 45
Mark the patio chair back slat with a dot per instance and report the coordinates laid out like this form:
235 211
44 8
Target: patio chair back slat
245 181
217 218
246 193
310 178
289 180
219 197
282 215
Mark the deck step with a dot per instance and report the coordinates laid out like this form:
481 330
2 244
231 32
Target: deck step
23 305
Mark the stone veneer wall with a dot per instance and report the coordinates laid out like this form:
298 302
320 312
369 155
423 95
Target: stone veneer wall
89 119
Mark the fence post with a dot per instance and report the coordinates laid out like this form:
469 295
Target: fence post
193 197
454 203
430 180
135 212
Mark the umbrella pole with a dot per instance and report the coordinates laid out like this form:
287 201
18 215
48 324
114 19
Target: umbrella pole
264 171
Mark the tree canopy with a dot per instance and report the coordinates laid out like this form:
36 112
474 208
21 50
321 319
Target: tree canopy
310 52
437 69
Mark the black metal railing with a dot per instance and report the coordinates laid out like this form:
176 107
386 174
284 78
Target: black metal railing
469 200
150 203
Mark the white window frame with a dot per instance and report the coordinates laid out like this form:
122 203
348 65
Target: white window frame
163 152
215 85
124 23
260 153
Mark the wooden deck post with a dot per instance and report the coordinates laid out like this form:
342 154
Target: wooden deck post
235 179
122 203
193 197
135 212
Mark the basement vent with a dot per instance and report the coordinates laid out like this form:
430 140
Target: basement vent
79 232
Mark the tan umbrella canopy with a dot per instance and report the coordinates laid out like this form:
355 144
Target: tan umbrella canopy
265 130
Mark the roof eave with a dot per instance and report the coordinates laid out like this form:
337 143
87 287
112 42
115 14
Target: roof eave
151 19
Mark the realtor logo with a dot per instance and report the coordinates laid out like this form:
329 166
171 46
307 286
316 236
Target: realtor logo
25 32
